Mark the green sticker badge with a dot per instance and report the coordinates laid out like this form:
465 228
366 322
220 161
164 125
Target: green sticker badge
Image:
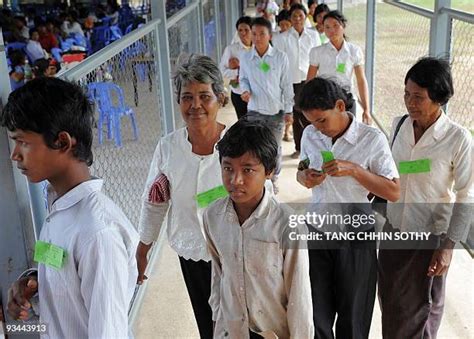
204 199
327 156
264 66
415 166
49 254
341 68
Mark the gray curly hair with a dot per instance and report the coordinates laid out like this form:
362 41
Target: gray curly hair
198 68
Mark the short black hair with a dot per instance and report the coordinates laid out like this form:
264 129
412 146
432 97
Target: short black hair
434 74
296 7
321 9
48 106
253 137
321 93
243 20
337 16
261 21
284 15
40 66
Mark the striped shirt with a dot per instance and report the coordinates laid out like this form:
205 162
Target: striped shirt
90 295
268 81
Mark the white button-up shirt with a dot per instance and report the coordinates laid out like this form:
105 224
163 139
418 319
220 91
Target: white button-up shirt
188 174
270 91
360 144
327 58
258 283
427 199
297 48
232 51
90 295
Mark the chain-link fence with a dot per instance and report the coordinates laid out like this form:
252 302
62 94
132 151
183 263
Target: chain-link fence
401 38
210 28
124 87
183 38
461 106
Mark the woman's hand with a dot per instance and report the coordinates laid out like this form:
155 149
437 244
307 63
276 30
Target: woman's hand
441 259
245 96
142 261
366 118
234 63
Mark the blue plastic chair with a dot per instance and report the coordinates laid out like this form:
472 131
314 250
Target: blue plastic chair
116 33
15 46
109 112
100 37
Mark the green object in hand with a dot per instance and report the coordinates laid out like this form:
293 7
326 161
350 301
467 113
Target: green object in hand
327 156
264 66
49 254
415 166
204 199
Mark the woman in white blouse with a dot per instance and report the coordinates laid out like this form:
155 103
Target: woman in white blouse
340 60
184 169
434 156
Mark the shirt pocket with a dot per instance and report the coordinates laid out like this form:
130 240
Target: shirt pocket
263 258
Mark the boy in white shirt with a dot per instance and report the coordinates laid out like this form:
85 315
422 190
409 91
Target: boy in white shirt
86 249
347 160
260 286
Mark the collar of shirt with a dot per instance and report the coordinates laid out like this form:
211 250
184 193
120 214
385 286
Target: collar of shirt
435 132
241 44
344 47
270 52
72 197
350 136
292 31
260 212
189 146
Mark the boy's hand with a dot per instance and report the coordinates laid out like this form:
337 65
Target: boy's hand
234 63
310 177
288 118
142 261
340 168
245 96
19 295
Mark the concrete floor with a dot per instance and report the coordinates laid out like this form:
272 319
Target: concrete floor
166 310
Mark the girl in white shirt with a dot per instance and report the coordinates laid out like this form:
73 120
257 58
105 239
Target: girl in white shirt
435 157
341 60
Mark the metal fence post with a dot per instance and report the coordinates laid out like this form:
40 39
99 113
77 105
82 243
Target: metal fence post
201 35
370 51
217 19
163 64
440 33
340 5
440 30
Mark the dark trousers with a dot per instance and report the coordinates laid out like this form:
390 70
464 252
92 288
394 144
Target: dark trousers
239 105
276 123
411 302
197 276
299 121
343 280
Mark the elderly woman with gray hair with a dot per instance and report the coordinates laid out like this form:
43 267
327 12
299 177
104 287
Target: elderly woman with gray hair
184 177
